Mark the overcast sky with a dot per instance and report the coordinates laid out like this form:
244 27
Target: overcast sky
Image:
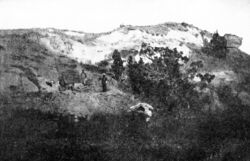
226 16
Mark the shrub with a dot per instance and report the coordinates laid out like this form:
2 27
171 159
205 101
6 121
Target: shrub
184 24
103 64
94 68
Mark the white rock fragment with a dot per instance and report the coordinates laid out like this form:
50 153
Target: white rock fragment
143 108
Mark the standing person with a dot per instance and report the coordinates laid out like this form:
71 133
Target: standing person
83 77
62 82
104 82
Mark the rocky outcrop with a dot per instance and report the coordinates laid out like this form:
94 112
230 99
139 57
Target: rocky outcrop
142 108
16 82
233 41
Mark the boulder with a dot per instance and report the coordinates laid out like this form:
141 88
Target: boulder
233 41
142 108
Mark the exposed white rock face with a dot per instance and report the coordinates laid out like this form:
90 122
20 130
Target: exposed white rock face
86 47
233 41
143 108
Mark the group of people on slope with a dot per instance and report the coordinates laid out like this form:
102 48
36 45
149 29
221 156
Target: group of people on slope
83 80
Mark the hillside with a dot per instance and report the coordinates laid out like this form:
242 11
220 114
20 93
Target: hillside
30 57
38 118
26 66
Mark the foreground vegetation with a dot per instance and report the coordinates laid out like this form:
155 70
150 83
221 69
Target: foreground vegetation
29 134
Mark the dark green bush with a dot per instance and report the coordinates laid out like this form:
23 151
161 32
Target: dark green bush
184 24
103 64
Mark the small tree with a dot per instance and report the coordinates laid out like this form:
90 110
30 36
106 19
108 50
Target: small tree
217 47
134 74
117 66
